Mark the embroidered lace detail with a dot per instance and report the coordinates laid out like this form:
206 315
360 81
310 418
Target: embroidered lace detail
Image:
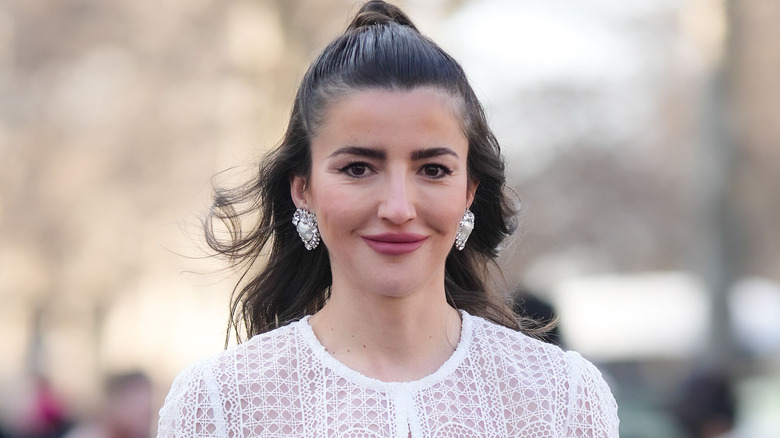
497 383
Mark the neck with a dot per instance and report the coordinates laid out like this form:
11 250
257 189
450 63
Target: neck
388 338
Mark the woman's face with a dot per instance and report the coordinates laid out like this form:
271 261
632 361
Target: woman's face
389 186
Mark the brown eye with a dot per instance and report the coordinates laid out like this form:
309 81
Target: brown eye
356 170
435 171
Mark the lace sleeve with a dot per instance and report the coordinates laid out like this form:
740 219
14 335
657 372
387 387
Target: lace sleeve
592 411
193 408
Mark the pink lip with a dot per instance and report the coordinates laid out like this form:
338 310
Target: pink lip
394 243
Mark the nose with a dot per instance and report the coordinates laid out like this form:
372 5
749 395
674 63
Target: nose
397 203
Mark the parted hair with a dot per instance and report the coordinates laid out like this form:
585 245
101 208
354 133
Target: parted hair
251 224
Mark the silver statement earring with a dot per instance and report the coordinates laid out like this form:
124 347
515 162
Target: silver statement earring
464 230
306 224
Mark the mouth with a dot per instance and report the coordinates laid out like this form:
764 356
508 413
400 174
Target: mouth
395 243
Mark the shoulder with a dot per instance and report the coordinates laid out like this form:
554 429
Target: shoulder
205 393
592 409
576 387
259 350
514 346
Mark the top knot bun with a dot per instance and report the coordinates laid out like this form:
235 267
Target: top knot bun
379 12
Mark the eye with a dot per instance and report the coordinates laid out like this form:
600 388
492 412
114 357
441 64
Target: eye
356 170
435 171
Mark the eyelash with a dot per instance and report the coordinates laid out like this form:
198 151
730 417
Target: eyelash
445 171
351 166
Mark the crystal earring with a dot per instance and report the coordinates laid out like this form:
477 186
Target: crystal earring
464 230
306 224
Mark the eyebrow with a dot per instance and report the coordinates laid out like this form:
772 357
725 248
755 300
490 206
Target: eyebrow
423 154
420 154
363 152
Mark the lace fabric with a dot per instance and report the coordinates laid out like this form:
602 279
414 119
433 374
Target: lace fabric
497 383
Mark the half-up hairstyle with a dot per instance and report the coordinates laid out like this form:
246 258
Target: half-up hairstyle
282 281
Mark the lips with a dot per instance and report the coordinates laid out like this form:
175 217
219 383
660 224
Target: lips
395 243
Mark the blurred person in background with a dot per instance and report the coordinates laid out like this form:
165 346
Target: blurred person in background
126 412
43 413
370 315
706 406
531 306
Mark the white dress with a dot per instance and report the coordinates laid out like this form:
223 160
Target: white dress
497 383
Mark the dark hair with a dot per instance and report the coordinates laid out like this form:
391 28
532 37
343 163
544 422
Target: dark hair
381 48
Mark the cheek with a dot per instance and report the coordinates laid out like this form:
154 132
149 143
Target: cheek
445 210
324 192
454 217
337 208
337 219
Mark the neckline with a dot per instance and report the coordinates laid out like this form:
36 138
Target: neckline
334 365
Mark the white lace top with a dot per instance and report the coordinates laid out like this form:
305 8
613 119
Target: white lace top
497 383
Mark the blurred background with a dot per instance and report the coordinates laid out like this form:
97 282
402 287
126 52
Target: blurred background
642 136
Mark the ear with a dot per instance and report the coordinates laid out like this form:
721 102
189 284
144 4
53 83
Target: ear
471 190
298 191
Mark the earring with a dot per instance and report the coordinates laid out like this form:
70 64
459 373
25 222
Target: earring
306 224
464 230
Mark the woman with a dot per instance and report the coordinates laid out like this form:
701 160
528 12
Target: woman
382 208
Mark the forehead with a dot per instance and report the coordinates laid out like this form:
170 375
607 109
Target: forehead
383 117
